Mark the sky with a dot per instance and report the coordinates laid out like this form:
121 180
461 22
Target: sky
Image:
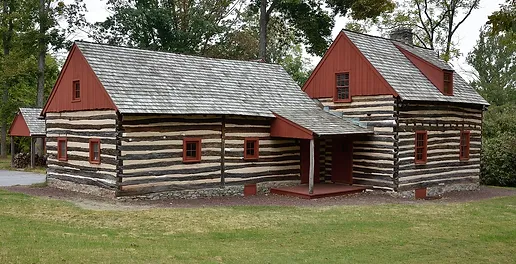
466 36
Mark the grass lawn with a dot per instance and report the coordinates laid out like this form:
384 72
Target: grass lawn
5 164
36 230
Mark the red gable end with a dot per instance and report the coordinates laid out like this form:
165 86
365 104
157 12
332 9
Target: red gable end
92 95
344 56
19 127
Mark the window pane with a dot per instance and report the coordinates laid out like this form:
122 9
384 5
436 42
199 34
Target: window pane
96 151
191 149
342 93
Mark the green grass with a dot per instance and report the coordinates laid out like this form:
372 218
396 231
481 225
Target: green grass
5 164
36 230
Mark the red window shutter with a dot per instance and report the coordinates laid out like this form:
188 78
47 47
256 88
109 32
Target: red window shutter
464 145
94 151
421 147
62 149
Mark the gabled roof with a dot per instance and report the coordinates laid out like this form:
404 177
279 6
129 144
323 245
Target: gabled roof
33 124
150 82
407 79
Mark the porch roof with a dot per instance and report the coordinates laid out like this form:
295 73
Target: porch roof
307 123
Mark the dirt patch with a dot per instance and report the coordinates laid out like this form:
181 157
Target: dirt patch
366 198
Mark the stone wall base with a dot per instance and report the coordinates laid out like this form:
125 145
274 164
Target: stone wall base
82 188
439 190
229 190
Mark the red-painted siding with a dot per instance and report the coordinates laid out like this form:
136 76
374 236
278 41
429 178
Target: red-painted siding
93 94
19 127
344 56
281 127
432 72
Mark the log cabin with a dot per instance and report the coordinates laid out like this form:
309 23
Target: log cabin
427 120
125 122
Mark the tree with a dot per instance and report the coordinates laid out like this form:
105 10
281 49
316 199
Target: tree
505 18
188 27
494 59
434 22
311 21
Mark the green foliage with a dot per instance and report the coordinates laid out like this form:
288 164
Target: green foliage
505 18
498 160
494 59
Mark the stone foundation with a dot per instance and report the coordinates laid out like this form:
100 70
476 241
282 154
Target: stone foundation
439 190
82 188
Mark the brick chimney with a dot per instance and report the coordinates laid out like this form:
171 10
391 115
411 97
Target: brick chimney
404 35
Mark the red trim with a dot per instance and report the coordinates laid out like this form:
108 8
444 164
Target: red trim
19 126
327 54
256 149
335 91
197 158
282 127
60 155
423 148
92 156
76 99
464 154
61 74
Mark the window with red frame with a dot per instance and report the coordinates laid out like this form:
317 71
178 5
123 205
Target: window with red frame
95 151
76 91
62 148
251 149
464 145
448 83
342 87
421 142
191 150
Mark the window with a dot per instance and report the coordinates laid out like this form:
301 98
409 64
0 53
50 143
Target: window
191 150
251 149
464 145
342 87
62 149
95 151
448 83
76 91
421 141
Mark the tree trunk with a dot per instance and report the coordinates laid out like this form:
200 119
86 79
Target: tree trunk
263 30
42 46
6 38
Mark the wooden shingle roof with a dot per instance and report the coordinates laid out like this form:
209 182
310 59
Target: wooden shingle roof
405 78
150 82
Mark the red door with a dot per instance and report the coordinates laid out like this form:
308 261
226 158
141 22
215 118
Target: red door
342 161
305 161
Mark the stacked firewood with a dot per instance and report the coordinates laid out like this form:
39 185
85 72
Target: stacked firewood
22 160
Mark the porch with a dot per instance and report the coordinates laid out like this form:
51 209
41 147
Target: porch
321 190
326 152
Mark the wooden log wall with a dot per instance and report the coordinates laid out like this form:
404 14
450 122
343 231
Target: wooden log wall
151 153
279 159
443 124
78 128
373 157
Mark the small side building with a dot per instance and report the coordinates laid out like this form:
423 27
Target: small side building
28 123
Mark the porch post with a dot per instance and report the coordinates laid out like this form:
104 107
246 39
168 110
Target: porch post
311 172
32 151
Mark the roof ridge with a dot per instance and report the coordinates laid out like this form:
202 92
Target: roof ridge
380 37
175 53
